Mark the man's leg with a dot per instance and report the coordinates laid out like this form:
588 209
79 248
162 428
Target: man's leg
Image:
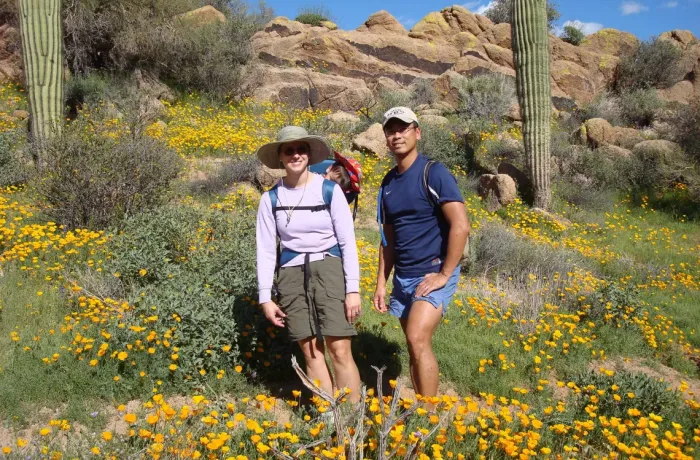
316 367
346 373
419 328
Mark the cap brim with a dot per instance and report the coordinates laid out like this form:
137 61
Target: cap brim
399 117
269 156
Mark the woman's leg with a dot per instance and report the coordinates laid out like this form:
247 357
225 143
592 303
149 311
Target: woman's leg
316 368
346 373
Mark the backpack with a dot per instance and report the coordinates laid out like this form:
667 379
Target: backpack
434 199
354 170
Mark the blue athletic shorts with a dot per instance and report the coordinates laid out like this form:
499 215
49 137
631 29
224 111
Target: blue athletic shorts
402 295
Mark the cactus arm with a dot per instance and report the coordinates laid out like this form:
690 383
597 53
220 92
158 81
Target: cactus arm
531 56
42 59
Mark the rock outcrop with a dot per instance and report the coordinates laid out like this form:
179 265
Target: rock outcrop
499 186
372 141
10 57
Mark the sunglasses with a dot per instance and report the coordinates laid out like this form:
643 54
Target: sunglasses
301 150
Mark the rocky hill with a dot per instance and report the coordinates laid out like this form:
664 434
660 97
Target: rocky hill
303 65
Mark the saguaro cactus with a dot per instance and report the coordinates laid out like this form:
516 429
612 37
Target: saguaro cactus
42 57
531 54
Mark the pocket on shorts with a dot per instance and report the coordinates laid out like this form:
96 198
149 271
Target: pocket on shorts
334 278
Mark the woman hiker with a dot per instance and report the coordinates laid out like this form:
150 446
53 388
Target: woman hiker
318 272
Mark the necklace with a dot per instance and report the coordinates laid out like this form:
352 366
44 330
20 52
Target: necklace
291 211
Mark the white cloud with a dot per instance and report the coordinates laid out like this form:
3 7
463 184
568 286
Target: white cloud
586 27
478 7
670 4
631 7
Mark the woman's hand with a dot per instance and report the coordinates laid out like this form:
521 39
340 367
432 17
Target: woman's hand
274 314
353 306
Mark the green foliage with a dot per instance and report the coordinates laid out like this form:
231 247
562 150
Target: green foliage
224 175
443 145
95 179
650 396
14 168
422 92
314 15
653 65
485 99
687 126
125 35
639 107
195 267
605 105
86 89
501 11
573 35
616 304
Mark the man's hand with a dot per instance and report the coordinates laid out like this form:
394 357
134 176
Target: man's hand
431 282
273 313
380 299
353 306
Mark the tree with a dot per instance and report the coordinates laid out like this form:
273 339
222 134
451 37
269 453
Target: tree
42 58
501 11
531 56
573 35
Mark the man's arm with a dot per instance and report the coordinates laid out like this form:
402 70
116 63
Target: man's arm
386 264
456 217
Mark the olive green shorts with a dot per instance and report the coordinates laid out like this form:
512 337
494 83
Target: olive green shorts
327 297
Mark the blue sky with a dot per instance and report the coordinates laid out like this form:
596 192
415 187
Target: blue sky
643 18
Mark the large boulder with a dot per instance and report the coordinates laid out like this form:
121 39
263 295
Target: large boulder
305 88
202 16
573 80
149 85
611 41
656 148
613 151
501 186
382 22
499 35
372 141
626 137
447 87
522 180
478 63
283 27
266 177
433 120
596 132
682 92
450 21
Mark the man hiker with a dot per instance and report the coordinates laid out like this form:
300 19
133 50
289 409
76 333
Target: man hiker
424 229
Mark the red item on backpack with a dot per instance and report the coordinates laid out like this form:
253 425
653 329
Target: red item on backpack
354 170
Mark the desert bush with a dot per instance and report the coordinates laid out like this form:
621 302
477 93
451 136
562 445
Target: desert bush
686 124
501 11
385 100
86 89
616 304
93 179
653 65
573 35
313 15
499 251
639 107
605 105
124 36
15 168
485 99
225 174
195 266
443 145
422 92
650 396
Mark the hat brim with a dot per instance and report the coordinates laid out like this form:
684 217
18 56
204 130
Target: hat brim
268 154
405 119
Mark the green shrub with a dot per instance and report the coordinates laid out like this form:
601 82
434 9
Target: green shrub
125 35
502 10
687 127
573 35
15 168
653 65
313 15
225 174
93 179
193 268
639 107
422 92
443 145
485 99
605 105
650 395
616 304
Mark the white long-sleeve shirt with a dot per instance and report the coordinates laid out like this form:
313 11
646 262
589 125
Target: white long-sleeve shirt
313 232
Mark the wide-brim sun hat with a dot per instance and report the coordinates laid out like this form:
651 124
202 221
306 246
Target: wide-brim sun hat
268 154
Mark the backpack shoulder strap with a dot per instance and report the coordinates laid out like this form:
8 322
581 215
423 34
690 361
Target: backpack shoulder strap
328 186
432 195
273 198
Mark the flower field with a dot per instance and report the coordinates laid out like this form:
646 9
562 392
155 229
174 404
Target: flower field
112 347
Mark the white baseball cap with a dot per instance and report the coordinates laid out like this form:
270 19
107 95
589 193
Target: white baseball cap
402 113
